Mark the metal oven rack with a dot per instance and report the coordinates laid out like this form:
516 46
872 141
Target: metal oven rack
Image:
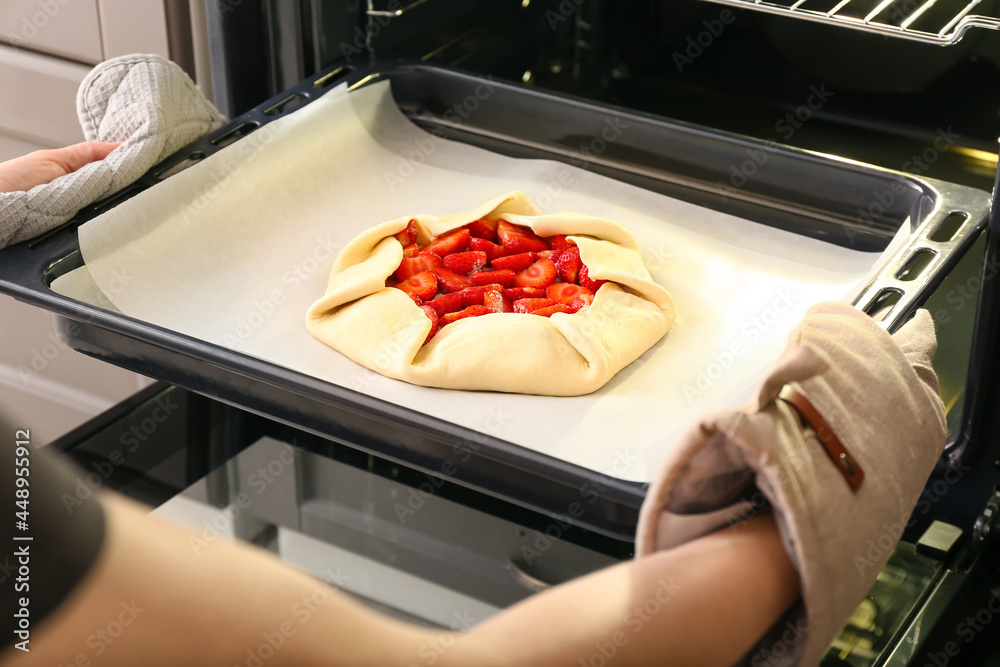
922 21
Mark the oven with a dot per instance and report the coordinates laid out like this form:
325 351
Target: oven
841 122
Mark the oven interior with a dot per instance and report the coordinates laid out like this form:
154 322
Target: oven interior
882 100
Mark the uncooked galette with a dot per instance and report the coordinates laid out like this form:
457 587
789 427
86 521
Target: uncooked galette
499 298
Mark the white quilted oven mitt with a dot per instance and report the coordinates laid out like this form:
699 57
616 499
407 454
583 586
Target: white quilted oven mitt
840 439
146 102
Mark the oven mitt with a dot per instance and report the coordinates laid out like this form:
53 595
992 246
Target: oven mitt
146 102
841 470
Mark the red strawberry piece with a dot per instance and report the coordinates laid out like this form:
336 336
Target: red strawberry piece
483 229
447 303
518 262
411 250
517 239
582 301
494 300
504 278
540 274
409 235
474 296
433 317
411 266
423 285
416 299
451 281
560 242
450 243
550 310
531 305
466 262
587 281
569 264
508 306
515 293
550 254
471 311
566 293
492 250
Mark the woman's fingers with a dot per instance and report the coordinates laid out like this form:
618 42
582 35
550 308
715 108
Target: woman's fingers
45 166
73 157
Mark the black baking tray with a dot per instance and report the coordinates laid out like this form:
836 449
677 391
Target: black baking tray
810 194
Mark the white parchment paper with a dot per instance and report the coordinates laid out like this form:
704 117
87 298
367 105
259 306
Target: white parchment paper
235 249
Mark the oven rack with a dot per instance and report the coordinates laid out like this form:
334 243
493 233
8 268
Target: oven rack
905 19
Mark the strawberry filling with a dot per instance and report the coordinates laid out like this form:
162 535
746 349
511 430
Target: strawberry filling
492 267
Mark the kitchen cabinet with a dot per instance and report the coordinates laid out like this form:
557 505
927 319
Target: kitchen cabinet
69 30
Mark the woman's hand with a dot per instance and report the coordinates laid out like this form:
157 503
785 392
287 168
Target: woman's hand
42 167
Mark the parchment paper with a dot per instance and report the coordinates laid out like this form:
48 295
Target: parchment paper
235 249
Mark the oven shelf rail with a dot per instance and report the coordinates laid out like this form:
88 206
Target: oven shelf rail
903 19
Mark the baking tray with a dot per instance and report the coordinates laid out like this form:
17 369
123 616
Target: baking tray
819 196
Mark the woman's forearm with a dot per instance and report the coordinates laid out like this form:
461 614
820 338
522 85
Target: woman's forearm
155 599
159 596
704 603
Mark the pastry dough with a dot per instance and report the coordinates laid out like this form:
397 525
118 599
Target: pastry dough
563 355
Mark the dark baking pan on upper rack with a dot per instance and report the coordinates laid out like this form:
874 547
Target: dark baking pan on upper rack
819 196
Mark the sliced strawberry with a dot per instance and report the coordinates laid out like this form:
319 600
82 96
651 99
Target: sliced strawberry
450 243
409 235
433 317
411 250
515 293
550 310
423 285
494 300
569 264
471 311
483 229
475 296
508 306
416 299
451 281
560 242
518 262
566 293
540 274
550 254
491 249
517 239
587 281
504 278
411 266
466 262
582 301
447 303
531 305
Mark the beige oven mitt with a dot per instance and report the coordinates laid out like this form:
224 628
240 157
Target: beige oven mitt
852 476
146 102
382 329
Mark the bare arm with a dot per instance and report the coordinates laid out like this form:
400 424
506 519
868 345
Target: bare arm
704 603
40 167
